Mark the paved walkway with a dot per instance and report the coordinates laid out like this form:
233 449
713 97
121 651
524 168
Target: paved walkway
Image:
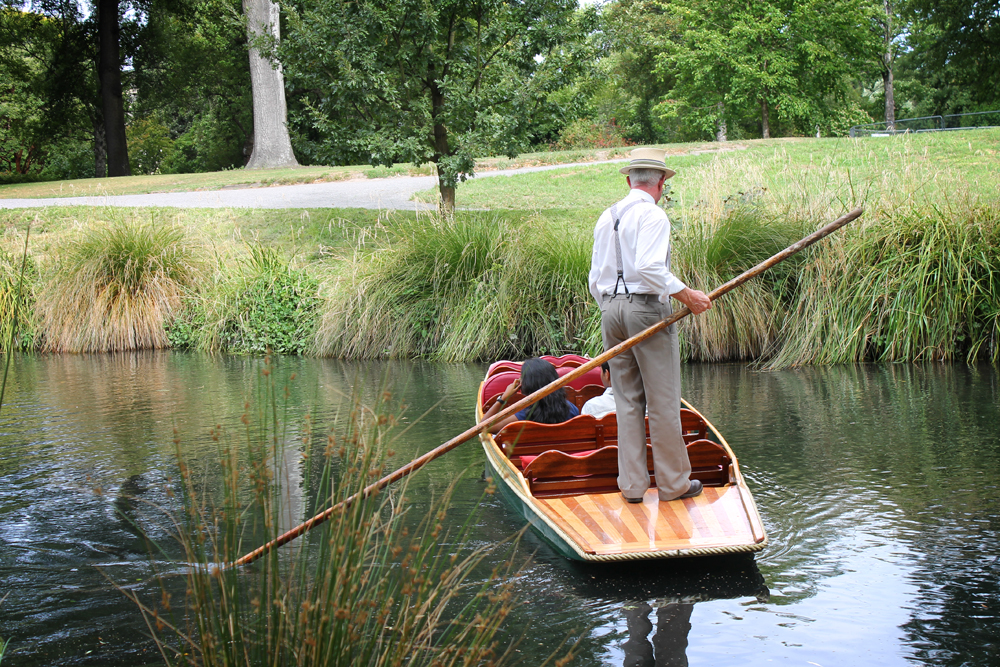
374 193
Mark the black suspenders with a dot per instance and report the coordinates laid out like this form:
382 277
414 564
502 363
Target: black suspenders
618 243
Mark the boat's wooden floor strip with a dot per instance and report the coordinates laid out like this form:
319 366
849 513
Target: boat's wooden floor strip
606 524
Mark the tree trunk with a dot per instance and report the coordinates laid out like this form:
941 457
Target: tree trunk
100 147
720 134
109 72
765 121
272 146
887 62
890 105
446 182
447 203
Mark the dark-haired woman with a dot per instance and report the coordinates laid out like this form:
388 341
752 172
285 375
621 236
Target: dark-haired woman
553 409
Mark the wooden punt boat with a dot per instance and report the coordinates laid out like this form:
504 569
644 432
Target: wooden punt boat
562 479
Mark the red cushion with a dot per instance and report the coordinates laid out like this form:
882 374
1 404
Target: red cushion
504 365
593 376
565 360
497 382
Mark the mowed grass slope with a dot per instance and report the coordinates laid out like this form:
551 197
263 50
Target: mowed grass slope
817 173
512 281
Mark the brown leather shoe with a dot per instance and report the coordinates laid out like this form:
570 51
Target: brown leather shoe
694 489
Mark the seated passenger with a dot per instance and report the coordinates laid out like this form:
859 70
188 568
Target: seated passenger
601 405
553 409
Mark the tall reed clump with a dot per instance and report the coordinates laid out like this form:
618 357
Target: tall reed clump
265 304
116 288
908 283
712 247
17 277
473 286
371 586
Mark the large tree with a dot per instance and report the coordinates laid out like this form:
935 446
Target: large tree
272 146
892 27
84 71
49 61
187 74
414 81
109 74
635 33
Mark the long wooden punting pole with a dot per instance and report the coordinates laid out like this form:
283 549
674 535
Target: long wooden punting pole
546 390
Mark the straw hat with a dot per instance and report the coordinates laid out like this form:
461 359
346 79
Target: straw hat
648 158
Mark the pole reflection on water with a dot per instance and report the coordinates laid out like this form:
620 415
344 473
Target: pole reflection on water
877 485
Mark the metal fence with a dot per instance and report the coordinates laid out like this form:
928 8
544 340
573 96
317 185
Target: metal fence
980 120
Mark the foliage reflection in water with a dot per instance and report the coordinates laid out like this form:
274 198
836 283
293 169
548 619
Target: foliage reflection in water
877 485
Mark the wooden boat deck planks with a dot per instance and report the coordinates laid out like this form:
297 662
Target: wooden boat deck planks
605 524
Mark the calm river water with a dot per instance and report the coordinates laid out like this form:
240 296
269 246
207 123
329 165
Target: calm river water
878 486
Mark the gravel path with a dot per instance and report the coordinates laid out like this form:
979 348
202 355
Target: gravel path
375 193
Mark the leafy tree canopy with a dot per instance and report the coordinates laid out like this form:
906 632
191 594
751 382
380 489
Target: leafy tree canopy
795 59
419 81
956 49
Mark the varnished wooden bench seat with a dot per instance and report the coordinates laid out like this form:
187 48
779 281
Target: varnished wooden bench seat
579 434
562 459
555 473
693 427
576 435
709 463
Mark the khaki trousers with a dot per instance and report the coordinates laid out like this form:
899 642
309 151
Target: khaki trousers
648 375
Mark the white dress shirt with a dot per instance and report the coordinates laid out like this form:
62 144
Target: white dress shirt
601 405
645 241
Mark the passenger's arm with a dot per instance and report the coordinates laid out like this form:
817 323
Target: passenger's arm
499 405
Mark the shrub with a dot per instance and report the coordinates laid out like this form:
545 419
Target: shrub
211 143
586 133
264 305
149 145
116 288
69 159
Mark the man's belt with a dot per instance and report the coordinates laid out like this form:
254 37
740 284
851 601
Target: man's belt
641 298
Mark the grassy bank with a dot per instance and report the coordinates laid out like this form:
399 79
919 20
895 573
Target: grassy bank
812 174
915 278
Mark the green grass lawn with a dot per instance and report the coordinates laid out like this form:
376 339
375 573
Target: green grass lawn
322 238
822 174
819 176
